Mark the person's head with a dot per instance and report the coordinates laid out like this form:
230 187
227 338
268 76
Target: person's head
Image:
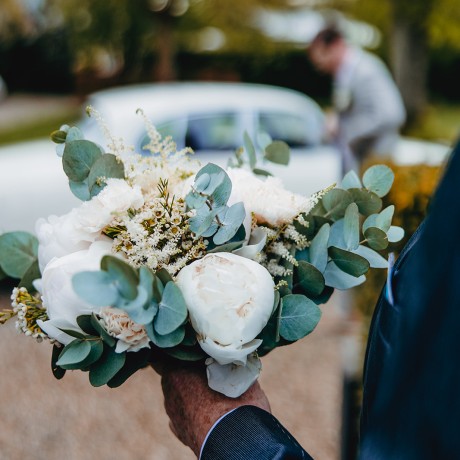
327 50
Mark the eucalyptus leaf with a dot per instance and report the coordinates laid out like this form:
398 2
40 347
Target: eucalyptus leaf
172 311
337 234
338 279
31 274
250 150
122 274
105 167
350 263
78 158
202 220
133 362
85 324
165 341
378 179
58 136
95 353
318 248
374 258
164 276
80 189
277 152
371 221
105 336
395 234
368 202
105 369
384 218
186 353
220 187
141 310
18 251
336 201
74 134
308 278
350 180
75 352
58 372
96 288
351 227
376 238
298 317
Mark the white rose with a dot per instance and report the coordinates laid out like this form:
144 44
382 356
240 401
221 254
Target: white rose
267 199
116 197
62 304
131 336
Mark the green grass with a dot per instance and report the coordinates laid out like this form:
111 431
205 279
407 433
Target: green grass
39 128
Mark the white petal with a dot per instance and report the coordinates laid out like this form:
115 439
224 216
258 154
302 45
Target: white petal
255 245
232 380
51 330
229 354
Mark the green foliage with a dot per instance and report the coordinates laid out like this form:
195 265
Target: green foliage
277 152
18 257
85 164
209 196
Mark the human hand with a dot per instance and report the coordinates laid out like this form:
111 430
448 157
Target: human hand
193 407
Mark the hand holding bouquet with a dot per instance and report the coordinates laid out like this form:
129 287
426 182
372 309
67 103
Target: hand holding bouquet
164 256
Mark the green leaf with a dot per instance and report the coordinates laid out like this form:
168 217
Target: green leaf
141 309
133 362
72 333
337 234
75 352
74 134
96 287
318 248
371 221
250 150
94 354
85 324
105 369
164 276
231 221
58 136
368 202
202 220
350 263
383 220
80 189
378 179
374 258
58 372
336 201
165 341
105 336
122 274
277 152
395 234
338 279
351 227
172 311
308 278
18 251
376 238
298 317
220 187
3 275
78 158
105 167
350 180
187 353
31 274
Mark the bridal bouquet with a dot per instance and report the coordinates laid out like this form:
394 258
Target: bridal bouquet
164 256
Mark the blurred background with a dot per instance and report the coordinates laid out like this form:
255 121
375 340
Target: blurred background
55 53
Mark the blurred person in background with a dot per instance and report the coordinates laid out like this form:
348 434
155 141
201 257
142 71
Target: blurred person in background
368 108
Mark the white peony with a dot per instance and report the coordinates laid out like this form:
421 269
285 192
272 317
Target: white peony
230 300
267 199
131 336
62 304
116 197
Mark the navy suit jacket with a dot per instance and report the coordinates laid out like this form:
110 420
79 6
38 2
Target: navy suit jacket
411 393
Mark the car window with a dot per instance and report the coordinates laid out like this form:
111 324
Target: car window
288 127
212 132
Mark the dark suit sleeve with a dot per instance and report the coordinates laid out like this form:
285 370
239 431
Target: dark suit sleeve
411 407
250 433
